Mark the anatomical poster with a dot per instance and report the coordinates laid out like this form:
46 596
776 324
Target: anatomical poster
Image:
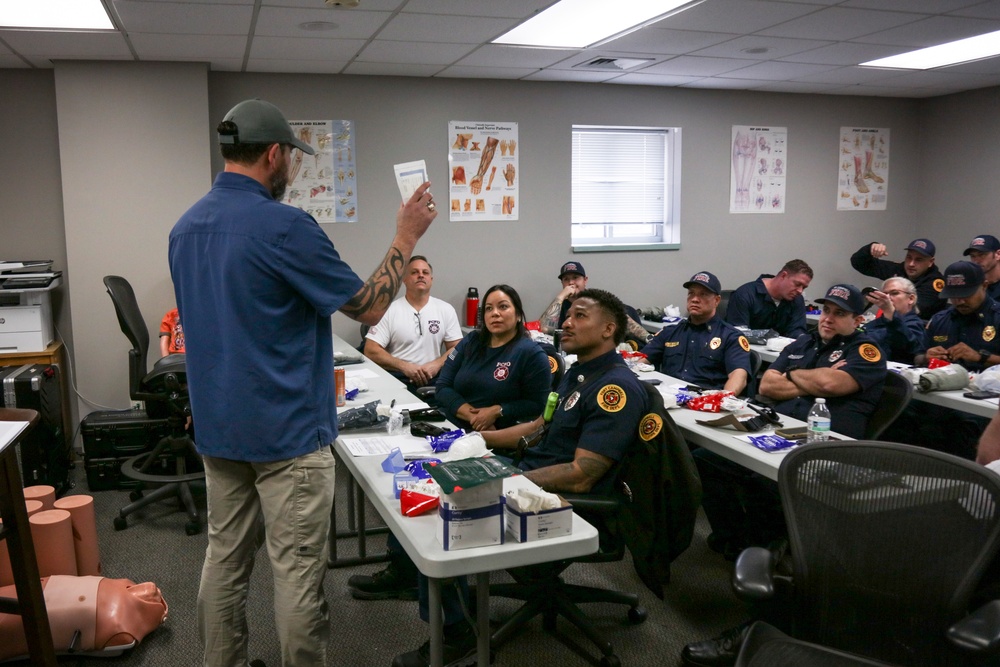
324 185
482 166
760 165
863 183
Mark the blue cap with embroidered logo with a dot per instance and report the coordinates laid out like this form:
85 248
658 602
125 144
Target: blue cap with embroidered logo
847 297
572 267
923 246
706 280
962 280
983 243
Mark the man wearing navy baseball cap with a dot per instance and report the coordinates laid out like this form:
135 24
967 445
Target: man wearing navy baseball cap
984 250
918 266
573 277
703 349
966 332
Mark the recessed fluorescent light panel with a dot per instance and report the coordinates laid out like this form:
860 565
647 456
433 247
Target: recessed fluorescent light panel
942 55
55 15
576 24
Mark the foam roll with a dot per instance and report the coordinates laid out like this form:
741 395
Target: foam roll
52 533
6 573
42 492
84 520
32 507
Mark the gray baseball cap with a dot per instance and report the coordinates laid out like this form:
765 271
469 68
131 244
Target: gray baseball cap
260 122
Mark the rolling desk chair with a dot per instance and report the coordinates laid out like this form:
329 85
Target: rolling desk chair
896 396
30 602
889 545
164 391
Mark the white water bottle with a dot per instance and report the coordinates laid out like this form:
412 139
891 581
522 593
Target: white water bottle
819 422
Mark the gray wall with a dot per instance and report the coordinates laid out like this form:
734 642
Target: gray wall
136 148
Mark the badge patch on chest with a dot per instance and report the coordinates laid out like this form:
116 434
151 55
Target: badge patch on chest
434 326
989 333
502 371
869 352
650 426
836 354
571 401
715 343
611 398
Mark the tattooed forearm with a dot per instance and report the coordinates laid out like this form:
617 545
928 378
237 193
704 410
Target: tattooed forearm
378 292
594 468
549 321
635 329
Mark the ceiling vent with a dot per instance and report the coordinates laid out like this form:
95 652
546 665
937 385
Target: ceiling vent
613 64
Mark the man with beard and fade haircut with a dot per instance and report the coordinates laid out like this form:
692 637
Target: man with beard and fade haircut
917 266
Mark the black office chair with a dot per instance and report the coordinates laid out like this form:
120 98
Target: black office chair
557 365
164 392
651 513
755 363
723 303
896 396
889 544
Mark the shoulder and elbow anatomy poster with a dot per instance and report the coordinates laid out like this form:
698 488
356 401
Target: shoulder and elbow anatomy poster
864 169
482 165
760 165
324 185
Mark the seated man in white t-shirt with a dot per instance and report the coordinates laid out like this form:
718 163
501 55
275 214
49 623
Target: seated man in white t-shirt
413 338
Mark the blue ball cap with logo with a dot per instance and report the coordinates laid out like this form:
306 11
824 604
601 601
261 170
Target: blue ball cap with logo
572 267
706 280
982 243
962 280
923 246
847 297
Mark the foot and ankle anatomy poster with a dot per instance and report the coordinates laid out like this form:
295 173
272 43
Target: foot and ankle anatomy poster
760 165
864 169
482 165
324 185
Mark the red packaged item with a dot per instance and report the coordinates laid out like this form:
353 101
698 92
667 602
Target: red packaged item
708 402
937 363
414 503
637 356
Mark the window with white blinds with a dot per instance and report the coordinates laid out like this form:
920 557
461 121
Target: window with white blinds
626 188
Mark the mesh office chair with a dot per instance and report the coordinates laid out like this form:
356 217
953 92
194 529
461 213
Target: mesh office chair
755 363
653 514
720 310
164 392
895 397
889 544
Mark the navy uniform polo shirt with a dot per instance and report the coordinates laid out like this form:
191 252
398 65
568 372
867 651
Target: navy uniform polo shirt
901 338
601 415
701 354
751 306
929 285
978 330
256 282
864 362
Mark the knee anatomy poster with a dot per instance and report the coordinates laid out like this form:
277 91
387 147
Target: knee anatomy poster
324 185
864 169
482 166
760 164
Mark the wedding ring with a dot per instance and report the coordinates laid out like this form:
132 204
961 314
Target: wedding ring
431 205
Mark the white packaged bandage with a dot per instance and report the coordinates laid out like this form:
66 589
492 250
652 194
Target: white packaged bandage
531 500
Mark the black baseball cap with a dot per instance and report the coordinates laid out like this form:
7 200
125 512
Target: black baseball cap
706 280
983 243
962 280
260 122
923 246
572 267
847 297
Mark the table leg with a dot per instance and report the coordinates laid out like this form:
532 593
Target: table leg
436 622
483 617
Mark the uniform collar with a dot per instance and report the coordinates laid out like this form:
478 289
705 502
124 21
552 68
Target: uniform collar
228 179
579 372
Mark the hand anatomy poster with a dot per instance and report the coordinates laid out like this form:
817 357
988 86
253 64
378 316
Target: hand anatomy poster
864 169
482 165
324 185
760 163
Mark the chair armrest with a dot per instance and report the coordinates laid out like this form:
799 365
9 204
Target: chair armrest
753 576
426 394
594 504
978 632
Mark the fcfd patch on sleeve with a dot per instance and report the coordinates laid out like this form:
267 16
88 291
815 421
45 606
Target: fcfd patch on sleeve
611 398
744 343
650 426
869 352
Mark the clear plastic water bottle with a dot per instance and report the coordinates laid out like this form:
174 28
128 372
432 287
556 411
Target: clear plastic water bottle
819 422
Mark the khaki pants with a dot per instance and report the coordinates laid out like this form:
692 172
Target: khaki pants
285 504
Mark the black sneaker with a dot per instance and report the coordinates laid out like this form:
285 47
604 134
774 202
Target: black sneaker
720 651
390 583
459 649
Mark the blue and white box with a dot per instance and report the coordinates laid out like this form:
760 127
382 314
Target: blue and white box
531 526
472 517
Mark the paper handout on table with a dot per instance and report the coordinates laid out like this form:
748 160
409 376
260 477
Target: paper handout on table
381 445
409 177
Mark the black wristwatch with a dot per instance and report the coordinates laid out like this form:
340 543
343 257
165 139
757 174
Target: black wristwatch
984 357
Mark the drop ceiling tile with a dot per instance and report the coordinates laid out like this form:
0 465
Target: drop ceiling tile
177 17
495 55
295 66
392 69
777 71
695 66
932 31
983 10
777 47
796 87
642 79
932 78
187 47
837 23
570 64
985 66
423 53
735 16
918 6
720 83
843 53
304 48
669 42
434 28
351 24
849 75
334 11
515 9
458 72
71 45
573 75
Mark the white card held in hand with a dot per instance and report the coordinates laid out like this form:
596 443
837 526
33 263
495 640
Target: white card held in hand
410 176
